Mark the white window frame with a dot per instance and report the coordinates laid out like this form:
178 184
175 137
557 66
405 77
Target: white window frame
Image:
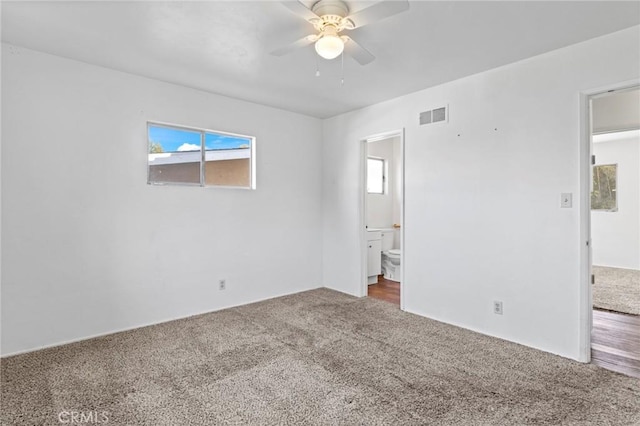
202 131
384 175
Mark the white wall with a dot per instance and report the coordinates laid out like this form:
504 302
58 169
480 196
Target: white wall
89 248
1 180
397 187
616 235
482 193
380 207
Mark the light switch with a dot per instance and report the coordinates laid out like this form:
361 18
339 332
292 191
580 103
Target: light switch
566 200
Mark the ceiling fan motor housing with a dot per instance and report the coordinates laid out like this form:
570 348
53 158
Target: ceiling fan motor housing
330 7
333 15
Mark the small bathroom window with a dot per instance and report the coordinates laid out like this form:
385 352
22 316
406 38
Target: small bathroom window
375 175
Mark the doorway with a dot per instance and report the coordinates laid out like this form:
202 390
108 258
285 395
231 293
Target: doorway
614 229
382 217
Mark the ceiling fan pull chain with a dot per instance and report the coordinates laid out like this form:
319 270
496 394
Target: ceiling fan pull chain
317 66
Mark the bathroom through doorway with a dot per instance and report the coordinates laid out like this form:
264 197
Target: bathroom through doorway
383 202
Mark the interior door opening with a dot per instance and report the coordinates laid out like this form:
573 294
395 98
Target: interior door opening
382 218
614 229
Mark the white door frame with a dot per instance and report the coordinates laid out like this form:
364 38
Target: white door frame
586 298
363 209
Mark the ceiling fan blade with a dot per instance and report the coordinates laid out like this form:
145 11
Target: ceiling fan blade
304 41
300 9
357 52
378 11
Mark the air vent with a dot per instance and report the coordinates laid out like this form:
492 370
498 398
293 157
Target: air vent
425 117
434 116
439 114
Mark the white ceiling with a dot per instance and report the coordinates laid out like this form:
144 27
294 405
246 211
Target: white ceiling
223 46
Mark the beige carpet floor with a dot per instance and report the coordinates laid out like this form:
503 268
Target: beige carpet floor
617 289
318 357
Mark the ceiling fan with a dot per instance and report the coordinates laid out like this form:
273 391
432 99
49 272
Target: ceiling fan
330 18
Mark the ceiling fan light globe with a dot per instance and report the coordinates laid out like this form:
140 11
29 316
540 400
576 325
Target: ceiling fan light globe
329 46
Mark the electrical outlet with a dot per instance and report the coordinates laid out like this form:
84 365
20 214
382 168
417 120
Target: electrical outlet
497 307
222 284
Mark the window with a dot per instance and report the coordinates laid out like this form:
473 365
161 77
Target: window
375 175
186 156
603 195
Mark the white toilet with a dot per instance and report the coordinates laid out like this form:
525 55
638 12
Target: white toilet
391 265
390 257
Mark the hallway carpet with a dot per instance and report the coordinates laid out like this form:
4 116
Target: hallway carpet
617 289
318 357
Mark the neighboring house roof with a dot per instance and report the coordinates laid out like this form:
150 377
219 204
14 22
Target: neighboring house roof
165 158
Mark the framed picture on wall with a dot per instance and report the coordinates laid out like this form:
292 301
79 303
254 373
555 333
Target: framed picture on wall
604 192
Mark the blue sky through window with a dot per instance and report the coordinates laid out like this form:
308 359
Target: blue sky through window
177 140
216 141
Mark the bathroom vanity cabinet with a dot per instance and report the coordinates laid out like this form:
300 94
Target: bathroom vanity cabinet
374 251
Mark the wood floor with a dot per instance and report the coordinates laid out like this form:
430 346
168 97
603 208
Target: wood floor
615 342
386 290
